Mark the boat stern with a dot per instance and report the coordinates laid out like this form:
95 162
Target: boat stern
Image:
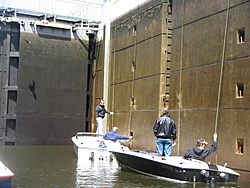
211 173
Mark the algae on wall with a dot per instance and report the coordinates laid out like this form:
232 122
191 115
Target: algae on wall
58 70
46 83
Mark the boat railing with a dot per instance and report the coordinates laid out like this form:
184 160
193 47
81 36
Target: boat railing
83 134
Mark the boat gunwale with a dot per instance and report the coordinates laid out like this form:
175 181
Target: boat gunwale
163 160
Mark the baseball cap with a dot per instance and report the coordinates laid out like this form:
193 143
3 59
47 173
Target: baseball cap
202 141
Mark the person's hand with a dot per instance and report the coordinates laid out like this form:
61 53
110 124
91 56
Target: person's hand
173 142
215 137
111 113
130 137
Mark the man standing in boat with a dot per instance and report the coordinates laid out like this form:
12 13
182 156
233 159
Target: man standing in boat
100 112
165 132
199 151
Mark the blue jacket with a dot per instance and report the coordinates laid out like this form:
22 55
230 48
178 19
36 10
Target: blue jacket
113 136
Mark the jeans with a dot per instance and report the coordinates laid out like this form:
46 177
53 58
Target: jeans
164 146
99 125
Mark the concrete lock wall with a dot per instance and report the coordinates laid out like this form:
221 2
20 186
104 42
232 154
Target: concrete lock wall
46 85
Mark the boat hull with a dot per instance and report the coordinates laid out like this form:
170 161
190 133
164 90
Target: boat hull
92 154
6 176
175 168
5 182
92 146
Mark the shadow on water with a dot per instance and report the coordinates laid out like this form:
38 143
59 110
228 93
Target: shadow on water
57 166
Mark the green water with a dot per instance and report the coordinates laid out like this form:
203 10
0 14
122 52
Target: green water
57 166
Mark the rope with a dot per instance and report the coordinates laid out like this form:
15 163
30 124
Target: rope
113 87
221 73
180 85
133 79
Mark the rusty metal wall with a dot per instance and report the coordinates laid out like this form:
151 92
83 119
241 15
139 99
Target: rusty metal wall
137 72
199 30
138 65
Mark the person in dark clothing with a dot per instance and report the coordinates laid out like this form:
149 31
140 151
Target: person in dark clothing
114 136
199 151
165 133
100 112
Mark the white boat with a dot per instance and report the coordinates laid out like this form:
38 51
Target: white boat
6 176
92 146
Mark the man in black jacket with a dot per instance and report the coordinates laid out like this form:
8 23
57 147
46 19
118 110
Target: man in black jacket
100 112
199 151
165 132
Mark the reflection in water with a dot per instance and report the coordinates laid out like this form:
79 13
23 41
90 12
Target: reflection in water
100 173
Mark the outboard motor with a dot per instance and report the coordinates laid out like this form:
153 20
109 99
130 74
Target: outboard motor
224 176
205 173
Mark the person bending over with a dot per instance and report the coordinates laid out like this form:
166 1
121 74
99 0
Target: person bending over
114 136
